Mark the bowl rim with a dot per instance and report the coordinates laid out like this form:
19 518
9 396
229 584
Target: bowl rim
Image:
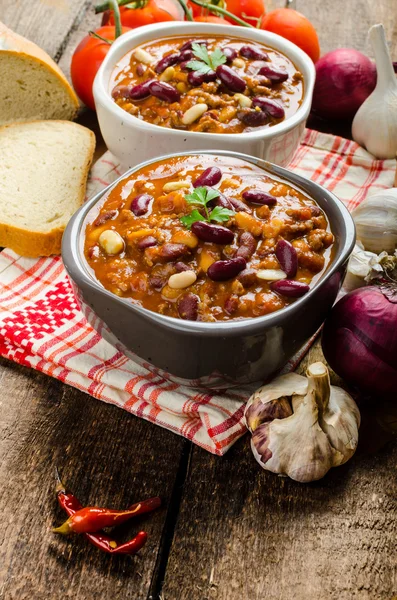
147 33
74 261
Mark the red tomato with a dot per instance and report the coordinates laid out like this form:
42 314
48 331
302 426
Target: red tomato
196 10
154 11
212 19
246 8
86 60
293 26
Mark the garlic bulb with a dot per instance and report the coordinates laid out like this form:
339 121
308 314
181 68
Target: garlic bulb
376 221
302 426
375 123
359 268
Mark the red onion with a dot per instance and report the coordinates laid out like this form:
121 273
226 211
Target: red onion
360 339
344 79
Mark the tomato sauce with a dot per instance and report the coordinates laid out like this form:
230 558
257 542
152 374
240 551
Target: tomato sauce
255 246
213 85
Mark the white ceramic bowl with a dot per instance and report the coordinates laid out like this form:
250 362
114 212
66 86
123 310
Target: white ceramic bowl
132 140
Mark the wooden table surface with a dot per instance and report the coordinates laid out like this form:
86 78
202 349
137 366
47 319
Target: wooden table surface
228 530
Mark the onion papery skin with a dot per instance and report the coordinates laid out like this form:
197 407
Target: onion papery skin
344 79
359 342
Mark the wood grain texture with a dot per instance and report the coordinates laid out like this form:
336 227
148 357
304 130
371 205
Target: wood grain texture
245 533
229 531
106 457
345 23
45 22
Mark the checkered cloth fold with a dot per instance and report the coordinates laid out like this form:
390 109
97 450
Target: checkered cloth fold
42 327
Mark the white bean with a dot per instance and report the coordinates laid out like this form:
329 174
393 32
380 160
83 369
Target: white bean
239 63
244 101
182 280
271 274
193 113
111 241
172 186
168 74
143 56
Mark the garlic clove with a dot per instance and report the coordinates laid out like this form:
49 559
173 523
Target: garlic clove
376 222
375 124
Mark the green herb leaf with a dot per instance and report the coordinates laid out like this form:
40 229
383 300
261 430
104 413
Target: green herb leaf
196 65
217 58
220 214
207 62
201 196
201 52
194 216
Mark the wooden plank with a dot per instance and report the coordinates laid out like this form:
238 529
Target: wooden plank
345 23
45 22
107 457
245 533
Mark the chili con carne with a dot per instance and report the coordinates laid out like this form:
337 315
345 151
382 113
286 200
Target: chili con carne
241 244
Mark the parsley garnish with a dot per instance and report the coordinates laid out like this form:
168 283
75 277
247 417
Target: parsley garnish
201 197
207 62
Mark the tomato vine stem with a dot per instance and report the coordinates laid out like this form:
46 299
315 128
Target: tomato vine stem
218 9
117 19
214 8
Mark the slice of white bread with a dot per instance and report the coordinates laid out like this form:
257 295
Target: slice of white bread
32 84
43 175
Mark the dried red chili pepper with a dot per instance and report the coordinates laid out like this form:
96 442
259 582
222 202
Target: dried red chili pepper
71 505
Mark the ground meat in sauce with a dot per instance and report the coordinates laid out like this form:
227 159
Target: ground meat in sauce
145 258
208 106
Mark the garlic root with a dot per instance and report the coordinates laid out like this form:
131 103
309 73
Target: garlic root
302 426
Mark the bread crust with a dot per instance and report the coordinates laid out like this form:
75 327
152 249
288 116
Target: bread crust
11 42
35 243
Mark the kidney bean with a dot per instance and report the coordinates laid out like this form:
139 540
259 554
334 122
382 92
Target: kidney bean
208 232
252 118
230 79
140 70
195 79
230 53
287 257
170 252
273 74
146 242
164 91
121 91
184 67
186 55
188 45
290 288
247 245
253 53
238 206
140 204
188 306
222 270
259 197
103 217
315 210
160 275
141 91
269 106
247 277
180 266
222 201
93 252
231 304
209 177
166 62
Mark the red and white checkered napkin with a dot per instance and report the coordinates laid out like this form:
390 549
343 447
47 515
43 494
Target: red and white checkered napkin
42 327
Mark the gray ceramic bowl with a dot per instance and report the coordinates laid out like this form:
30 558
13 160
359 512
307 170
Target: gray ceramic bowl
211 354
